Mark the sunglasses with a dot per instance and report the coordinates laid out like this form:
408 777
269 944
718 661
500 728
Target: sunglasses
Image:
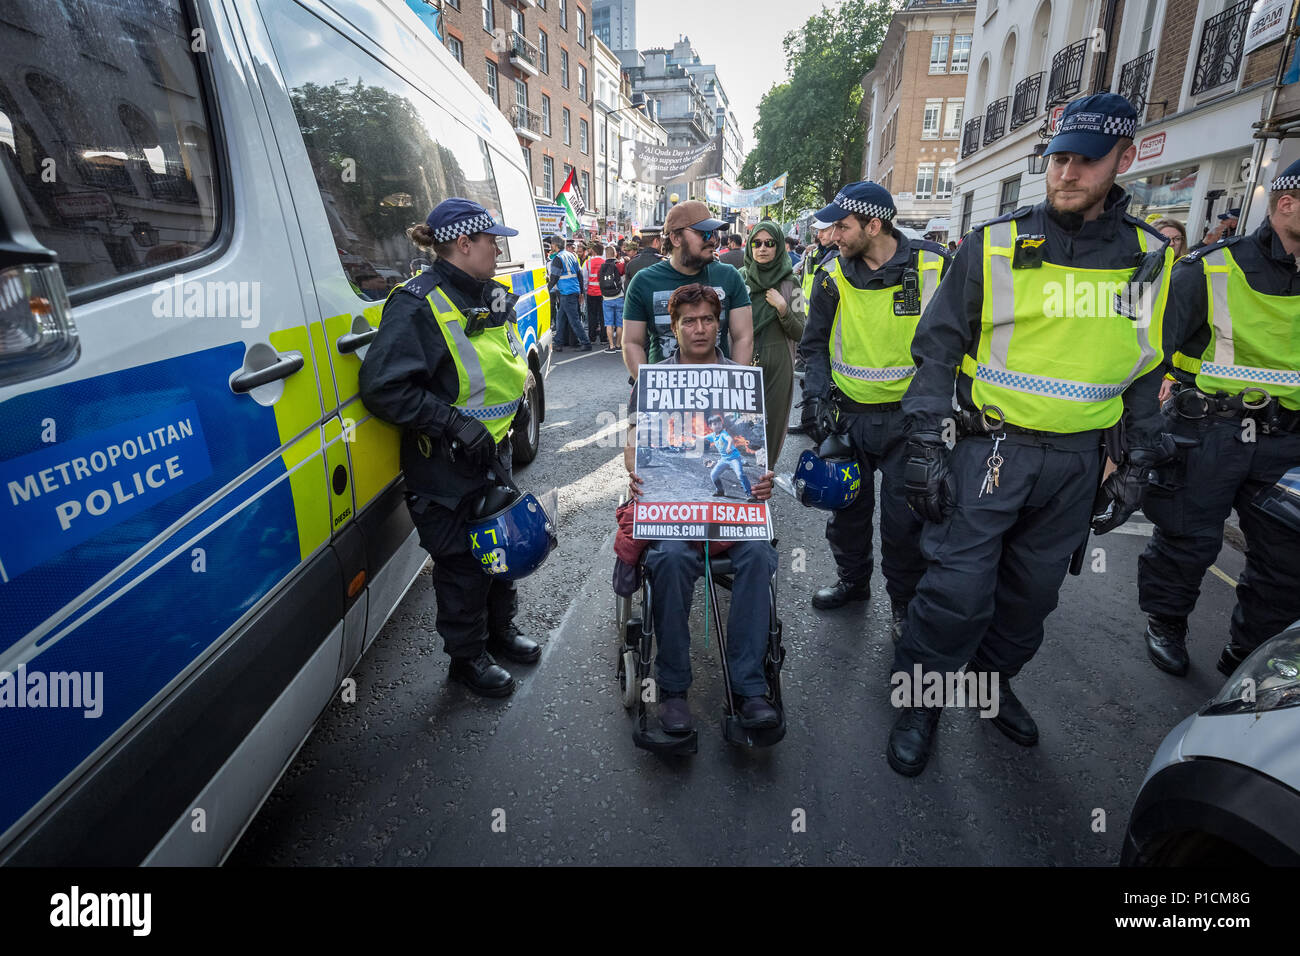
764 243
707 234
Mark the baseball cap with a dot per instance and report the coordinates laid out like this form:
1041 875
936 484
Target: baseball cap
1092 125
1230 214
692 214
865 198
457 217
1289 178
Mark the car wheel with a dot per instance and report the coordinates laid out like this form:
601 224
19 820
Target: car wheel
527 435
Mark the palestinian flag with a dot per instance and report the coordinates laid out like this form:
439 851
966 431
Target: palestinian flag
571 200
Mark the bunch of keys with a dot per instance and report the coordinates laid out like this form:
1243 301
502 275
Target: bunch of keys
995 467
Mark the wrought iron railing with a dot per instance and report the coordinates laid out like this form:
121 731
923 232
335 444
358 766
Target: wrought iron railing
525 118
1067 73
521 47
1025 105
970 137
1133 80
1219 57
995 120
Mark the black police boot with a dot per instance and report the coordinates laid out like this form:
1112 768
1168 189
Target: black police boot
482 675
513 646
1167 643
1231 658
897 617
840 594
911 739
1013 717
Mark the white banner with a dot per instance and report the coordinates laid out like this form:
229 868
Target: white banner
1268 21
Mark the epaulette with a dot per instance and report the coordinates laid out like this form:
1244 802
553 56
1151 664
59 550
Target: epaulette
1145 227
421 285
1221 244
1014 214
929 245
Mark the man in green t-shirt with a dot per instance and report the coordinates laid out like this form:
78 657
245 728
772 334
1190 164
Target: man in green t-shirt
690 236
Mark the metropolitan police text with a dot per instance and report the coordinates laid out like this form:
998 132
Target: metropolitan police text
706 390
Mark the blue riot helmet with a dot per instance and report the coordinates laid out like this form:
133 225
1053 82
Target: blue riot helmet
829 478
1281 501
510 533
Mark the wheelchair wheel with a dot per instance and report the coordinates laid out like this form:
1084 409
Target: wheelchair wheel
627 682
622 613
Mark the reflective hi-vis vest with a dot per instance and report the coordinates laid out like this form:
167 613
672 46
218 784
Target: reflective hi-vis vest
871 346
812 260
1053 353
490 366
1260 349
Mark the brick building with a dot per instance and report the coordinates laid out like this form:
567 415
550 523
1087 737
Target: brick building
912 107
1180 62
534 59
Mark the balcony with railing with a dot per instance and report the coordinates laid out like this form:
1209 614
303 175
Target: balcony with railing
1134 78
970 136
524 55
528 123
1066 78
1024 107
1219 58
995 120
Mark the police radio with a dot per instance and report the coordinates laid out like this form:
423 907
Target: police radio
907 300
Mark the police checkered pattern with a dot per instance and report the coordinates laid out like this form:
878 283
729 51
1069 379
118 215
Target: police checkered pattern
1119 126
895 374
863 208
1074 391
1285 182
466 227
489 412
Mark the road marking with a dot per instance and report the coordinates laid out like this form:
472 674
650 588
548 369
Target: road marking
1142 529
1214 569
617 428
555 425
586 355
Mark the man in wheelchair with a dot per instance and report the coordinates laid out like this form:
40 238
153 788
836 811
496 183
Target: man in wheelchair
675 566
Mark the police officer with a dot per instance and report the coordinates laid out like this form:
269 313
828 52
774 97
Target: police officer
448 368
857 352
1047 364
1233 321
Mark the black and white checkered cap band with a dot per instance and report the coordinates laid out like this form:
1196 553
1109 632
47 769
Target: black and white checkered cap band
863 208
466 227
1285 182
1098 123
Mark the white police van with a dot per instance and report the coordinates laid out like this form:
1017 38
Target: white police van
202 204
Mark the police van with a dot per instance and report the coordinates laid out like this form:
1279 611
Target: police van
202 206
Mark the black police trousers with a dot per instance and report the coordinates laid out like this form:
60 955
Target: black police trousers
878 445
1221 473
996 563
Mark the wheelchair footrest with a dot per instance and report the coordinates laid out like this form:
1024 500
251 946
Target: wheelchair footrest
734 733
659 741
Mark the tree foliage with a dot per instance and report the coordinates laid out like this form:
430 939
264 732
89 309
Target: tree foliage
808 126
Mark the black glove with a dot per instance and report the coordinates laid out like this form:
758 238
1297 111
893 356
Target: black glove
926 480
471 443
822 419
1122 493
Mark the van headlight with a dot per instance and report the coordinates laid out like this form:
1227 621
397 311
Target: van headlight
37 334
1269 679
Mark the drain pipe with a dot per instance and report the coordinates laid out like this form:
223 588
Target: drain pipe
1099 81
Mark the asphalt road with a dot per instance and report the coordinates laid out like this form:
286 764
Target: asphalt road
419 771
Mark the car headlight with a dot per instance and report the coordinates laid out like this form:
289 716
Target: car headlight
1269 679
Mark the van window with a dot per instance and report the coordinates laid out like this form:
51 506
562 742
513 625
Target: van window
104 133
382 152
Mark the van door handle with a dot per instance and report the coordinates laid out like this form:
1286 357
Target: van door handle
351 341
286 366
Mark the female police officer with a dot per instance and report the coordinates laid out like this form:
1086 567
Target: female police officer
447 367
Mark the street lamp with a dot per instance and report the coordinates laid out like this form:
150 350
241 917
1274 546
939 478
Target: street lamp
638 105
674 199
1037 161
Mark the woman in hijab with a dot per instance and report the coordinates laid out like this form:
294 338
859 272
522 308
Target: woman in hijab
779 315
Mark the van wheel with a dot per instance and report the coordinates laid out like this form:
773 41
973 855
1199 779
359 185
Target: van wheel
527 435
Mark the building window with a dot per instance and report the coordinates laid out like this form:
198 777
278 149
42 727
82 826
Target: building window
548 176
1010 196
938 54
924 180
543 52
565 126
583 132
492 83
582 27
943 189
930 123
528 161
582 83
564 14
952 122
564 68
521 93
586 187
967 201
456 48
489 17
454 4
546 115
961 54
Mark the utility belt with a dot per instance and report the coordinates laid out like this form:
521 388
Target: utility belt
1191 404
420 503
849 406
989 420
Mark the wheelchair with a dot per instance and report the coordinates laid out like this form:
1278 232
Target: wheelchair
634 619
